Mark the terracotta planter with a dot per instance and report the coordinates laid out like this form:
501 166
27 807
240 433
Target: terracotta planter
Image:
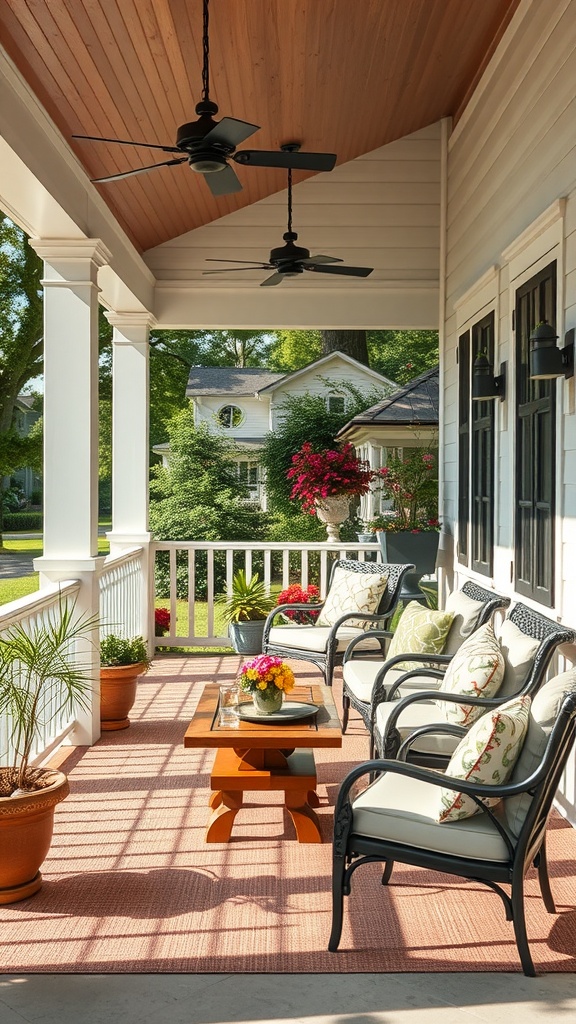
26 826
117 694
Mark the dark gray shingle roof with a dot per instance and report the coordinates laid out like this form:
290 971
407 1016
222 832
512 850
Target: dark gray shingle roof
228 380
414 403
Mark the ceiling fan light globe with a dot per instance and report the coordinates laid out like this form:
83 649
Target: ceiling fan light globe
207 163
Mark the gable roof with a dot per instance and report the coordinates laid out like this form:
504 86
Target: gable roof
414 404
228 380
322 362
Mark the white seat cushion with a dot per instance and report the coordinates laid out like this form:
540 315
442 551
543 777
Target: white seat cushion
360 673
413 717
315 638
402 810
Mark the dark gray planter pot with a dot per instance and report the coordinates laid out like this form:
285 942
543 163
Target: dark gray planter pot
246 637
419 548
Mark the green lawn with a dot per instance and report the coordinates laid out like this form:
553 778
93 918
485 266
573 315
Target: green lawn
12 589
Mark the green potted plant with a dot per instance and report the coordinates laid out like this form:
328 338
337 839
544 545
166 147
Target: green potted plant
245 610
41 679
122 660
412 530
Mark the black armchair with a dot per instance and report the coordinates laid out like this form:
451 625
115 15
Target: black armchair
324 644
392 819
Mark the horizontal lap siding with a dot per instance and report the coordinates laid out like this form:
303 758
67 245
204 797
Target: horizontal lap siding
509 159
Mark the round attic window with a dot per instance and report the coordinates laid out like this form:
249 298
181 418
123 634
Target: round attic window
230 416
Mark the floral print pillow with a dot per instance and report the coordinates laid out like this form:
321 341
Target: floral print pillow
487 755
476 670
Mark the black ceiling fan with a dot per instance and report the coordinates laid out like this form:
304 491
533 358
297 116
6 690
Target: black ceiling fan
290 260
207 144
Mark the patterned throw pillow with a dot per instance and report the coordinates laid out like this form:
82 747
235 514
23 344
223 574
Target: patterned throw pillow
487 755
476 670
352 592
420 630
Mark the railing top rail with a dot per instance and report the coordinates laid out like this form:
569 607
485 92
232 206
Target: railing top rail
111 561
247 545
23 607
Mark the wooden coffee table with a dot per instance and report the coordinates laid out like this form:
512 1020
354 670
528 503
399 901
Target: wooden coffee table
265 757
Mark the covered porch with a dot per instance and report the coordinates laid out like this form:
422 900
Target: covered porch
131 886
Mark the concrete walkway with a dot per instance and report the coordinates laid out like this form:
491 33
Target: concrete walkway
466 998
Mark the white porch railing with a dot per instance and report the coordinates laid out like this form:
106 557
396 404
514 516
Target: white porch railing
122 582
29 612
191 575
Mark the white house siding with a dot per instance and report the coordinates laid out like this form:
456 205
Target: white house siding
381 211
256 421
316 384
510 160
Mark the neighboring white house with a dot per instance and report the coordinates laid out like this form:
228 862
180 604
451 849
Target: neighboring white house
24 417
245 403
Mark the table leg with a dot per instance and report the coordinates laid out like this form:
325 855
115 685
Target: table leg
225 806
313 798
305 819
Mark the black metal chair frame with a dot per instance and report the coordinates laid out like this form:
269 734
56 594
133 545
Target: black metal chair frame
328 659
492 602
352 850
550 634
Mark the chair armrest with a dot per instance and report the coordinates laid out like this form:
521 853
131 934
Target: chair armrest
445 729
376 634
436 695
380 692
304 606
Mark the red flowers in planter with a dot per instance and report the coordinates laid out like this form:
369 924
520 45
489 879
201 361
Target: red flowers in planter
295 595
161 621
318 475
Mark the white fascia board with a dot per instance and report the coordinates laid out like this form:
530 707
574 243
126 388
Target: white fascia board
45 190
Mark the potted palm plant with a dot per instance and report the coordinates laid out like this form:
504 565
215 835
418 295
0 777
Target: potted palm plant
41 680
122 660
245 609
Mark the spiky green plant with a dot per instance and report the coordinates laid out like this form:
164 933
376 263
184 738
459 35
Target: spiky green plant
40 678
248 599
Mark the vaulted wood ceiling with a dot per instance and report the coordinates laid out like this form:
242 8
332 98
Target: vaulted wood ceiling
343 76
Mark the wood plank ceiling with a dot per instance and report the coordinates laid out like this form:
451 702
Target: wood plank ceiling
343 76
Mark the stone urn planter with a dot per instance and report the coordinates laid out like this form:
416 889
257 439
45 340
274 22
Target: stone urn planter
26 827
333 511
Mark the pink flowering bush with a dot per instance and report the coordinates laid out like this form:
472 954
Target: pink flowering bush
161 621
327 473
266 673
411 482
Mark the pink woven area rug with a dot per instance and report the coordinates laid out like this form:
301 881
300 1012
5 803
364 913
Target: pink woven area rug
131 886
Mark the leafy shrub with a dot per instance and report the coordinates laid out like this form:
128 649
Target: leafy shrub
15 521
119 650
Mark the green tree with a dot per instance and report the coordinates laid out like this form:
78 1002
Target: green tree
402 355
21 348
291 350
304 418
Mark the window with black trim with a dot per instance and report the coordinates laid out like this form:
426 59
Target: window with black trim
463 446
535 446
482 458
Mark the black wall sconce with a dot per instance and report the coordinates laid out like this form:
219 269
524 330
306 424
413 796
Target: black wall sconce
485 385
546 360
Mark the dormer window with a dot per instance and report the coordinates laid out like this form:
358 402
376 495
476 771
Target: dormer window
336 404
230 416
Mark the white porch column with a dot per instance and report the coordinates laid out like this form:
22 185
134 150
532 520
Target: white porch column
130 438
71 435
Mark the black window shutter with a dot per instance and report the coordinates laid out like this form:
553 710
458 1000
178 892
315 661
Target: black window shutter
463 447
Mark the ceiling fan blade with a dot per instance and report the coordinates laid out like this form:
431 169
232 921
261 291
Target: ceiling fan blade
281 158
214 259
128 142
321 259
345 271
273 279
230 132
223 183
231 270
138 170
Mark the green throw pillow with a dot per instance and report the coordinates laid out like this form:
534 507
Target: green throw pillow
420 630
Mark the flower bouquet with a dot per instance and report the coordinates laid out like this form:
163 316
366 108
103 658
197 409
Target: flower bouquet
267 678
294 594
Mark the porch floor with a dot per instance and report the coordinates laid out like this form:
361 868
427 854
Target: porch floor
130 887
